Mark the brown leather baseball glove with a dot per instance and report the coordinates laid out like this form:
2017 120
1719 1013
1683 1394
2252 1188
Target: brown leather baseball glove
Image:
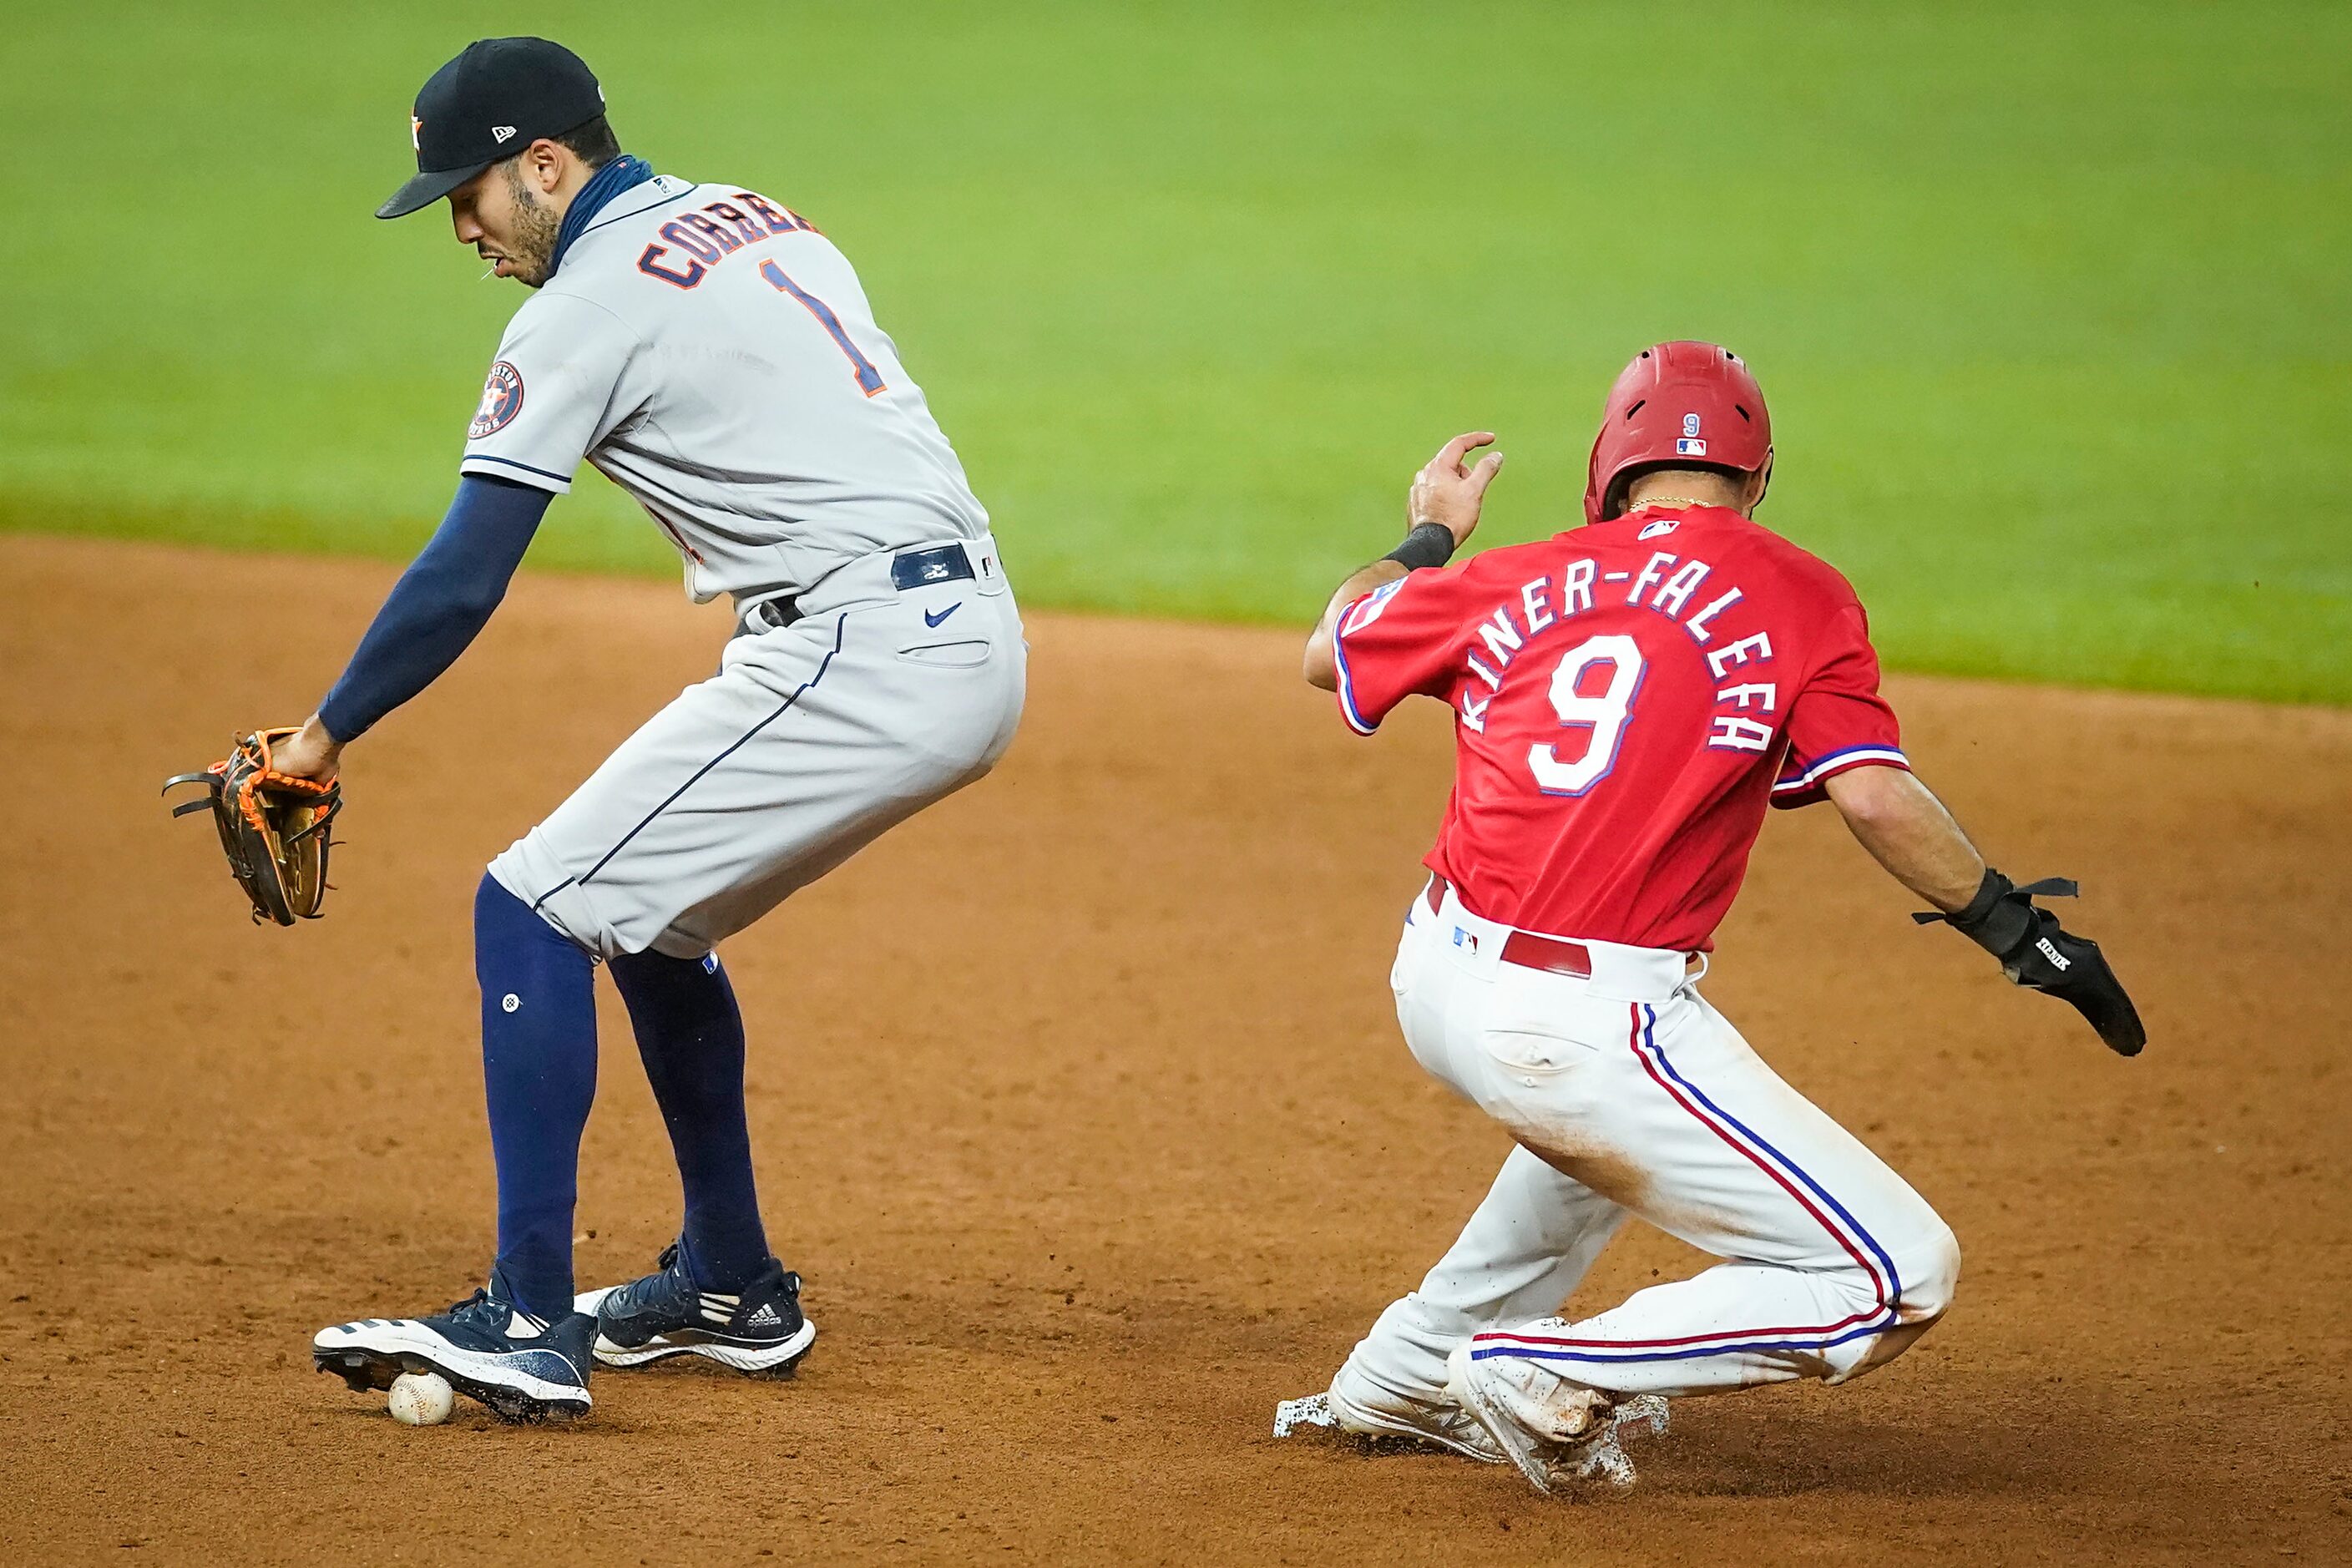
274 827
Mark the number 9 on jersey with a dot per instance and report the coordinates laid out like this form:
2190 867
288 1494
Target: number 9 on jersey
1603 714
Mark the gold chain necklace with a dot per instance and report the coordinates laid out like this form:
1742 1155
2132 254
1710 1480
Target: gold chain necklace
1663 500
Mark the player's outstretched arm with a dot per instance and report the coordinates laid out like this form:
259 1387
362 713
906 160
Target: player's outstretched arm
1441 510
436 610
1906 829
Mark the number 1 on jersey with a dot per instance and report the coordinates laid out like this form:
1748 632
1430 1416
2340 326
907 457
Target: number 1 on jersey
869 380
1604 712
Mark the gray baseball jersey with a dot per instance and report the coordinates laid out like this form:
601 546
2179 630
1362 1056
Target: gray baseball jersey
713 354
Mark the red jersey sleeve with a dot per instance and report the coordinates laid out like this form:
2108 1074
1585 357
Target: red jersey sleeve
1839 720
1394 642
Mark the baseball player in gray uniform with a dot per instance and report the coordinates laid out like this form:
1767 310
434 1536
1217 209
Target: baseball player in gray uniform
711 351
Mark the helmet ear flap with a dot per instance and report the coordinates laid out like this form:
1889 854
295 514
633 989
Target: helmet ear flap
1621 485
1612 500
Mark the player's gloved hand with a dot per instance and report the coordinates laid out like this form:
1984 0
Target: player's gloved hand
276 826
2034 952
308 753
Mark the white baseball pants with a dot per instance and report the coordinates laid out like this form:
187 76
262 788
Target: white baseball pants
1628 1094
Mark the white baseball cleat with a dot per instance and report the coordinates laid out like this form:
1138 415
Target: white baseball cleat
1554 1433
526 1369
1379 1418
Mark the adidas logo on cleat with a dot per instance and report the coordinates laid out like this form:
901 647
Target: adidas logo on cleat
765 1318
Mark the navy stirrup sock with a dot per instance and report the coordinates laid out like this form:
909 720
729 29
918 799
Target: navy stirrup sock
690 1034
539 1066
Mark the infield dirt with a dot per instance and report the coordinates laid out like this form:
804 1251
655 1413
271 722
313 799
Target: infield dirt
1080 1107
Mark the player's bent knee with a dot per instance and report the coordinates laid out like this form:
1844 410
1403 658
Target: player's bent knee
1931 1273
1928 1269
535 874
496 901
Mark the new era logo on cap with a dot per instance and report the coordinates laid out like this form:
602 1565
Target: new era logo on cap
502 132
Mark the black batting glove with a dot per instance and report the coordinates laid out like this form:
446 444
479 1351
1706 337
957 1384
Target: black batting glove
2036 953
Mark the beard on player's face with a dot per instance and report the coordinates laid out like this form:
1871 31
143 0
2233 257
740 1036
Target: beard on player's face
529 245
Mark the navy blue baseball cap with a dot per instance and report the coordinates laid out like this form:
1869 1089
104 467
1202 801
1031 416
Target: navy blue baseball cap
490 103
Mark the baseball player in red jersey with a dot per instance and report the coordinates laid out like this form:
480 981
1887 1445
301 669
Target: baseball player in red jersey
1628 697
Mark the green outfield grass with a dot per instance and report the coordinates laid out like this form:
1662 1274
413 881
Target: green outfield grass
2053 303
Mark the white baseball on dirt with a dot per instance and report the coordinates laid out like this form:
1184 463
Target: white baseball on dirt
421 1399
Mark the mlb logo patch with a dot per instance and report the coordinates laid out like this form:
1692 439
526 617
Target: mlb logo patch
1690 446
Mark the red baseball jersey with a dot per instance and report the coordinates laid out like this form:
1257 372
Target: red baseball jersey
1627 698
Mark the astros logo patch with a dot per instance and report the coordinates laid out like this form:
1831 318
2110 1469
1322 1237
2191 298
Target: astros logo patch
502 401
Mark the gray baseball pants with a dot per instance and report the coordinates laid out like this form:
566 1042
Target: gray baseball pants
811 742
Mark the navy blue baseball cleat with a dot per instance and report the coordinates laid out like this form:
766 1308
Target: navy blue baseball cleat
760 1330
524 1368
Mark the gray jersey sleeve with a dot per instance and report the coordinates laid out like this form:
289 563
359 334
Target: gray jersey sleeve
555 391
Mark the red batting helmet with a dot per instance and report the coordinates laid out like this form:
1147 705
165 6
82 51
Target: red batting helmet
1683 405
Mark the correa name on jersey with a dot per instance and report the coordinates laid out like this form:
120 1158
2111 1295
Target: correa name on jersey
717 231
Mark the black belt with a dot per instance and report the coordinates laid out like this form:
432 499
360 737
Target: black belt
771 615
909 569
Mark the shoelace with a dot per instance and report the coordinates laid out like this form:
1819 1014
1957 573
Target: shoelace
468 1309
482 1310
634 1294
